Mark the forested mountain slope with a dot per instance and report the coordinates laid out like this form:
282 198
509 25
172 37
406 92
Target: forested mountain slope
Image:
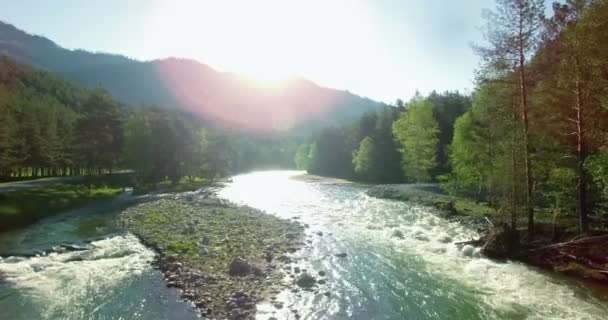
227 99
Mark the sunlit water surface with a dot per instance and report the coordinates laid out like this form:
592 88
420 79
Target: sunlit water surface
422 276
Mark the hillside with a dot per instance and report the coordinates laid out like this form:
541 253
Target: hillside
223 98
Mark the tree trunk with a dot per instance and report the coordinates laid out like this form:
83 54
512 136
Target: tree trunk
527 160
513 171
581 156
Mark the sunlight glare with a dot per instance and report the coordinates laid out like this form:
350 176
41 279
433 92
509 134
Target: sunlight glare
271 40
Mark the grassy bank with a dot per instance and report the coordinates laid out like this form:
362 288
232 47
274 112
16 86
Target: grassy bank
224 257
466 210
20 208
185 184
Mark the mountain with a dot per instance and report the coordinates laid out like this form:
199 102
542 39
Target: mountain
222 98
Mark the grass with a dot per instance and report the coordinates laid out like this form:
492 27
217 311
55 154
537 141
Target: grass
19 208
185 184
182 247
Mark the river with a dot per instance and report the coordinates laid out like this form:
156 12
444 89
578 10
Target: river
421 275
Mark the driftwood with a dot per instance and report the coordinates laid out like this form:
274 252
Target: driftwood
575 242
474 242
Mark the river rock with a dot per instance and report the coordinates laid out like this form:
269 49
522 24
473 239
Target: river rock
398 234
501 242
306 281
268 256
239 267
468 250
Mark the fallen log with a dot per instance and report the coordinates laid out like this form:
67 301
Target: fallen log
586 240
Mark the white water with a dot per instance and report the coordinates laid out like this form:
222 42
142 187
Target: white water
112 279
76 278
423 275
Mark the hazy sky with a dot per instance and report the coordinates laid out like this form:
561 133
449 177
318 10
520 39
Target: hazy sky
383 49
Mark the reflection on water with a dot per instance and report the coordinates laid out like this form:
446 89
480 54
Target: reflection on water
421 275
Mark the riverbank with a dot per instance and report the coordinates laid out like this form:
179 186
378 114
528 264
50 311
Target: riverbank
557 249
306 177
477 216
22 207
225 258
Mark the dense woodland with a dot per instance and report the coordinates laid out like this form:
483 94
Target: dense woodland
50 127
531 139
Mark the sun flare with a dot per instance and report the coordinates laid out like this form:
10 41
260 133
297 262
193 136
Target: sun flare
269 40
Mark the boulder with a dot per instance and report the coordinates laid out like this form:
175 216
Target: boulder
468 250
398 234
501 242
239 267
306 281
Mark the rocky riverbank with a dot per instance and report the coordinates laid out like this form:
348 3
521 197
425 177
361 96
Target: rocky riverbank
223 257
563 251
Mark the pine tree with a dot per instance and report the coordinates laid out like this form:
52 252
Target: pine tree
513 33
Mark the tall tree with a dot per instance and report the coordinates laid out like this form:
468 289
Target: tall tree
301 158
512 31
579 47
364 159
479 151
417 132
99 132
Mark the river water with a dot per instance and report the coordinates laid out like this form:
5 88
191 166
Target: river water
421 275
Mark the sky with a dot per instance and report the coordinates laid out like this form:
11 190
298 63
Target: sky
382 49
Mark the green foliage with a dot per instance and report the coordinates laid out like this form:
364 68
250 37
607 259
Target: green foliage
49 127
364 159
332 153
482 140
597 166
18 208
371 147
467 174
417 132
302 158
560 190
447 107
164 144
182 247
98 141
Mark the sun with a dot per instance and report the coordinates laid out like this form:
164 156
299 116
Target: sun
269 40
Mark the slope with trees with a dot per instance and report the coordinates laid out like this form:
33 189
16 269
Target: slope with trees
219 98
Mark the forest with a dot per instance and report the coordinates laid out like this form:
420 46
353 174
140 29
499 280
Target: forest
51 127
530 139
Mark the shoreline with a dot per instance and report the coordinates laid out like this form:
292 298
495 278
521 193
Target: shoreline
224 258
307 177
579 260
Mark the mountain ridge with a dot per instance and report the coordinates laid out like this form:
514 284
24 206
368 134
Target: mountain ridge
224 98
